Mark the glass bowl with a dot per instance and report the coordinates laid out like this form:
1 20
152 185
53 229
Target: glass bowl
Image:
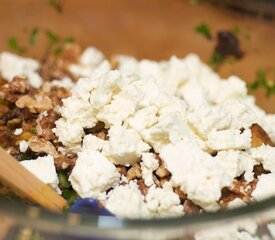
153 29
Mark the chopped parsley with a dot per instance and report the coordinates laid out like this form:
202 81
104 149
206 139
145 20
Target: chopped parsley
33 36
216 59
204 30
60 48
56 5
15 46
52 37
263 82
33 131
236 30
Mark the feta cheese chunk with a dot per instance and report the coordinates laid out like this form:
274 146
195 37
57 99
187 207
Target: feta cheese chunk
196 172
125 146
127 201
18 131
163 201
12 65
44 169
148 165
265 187
266 155
93 174
23 146
229 139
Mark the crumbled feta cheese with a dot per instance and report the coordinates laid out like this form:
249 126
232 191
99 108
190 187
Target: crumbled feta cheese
196 172
236 203
127 201
206 118
143 118
93 174
69 134
12 65
229 139
64 82
271 228
148 165
266 155
265 187
91 64
163 201
171 128
169 74
44 169
236 163
23 146
18 131
125 146
92 142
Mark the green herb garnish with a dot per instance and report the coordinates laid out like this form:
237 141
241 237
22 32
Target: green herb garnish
63 180
14 45
263 82
33 131
204 30
60 48
33 36
52 37
236 30
216 58
56 5
70 195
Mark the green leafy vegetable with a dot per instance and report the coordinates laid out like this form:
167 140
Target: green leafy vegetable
14 45
263 82
33 36
204 30
56 5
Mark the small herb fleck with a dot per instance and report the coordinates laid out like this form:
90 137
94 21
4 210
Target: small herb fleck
216 58
263 82
56 5
204 30
33 131
236 30
60 48
52 37
14 45
33 36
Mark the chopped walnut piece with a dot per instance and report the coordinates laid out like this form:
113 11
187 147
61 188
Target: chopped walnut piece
142 186
226 197
43 103
26 101
156 181
19 84
122 170
164 180
259 170
162 172
259 136
134 172
45 124
40 104
40 145
190 208
64 162
181 194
